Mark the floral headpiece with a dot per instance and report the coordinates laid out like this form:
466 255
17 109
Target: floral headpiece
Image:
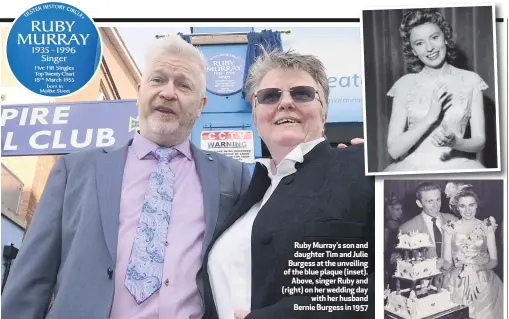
452 190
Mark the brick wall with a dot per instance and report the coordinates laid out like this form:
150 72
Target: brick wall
42 170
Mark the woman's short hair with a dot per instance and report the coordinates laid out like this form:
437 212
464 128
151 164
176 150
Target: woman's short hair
268 61
464 191
416 17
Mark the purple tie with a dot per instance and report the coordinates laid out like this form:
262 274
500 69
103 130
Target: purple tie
145 268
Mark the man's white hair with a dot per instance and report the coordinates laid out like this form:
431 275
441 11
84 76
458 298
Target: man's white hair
174 44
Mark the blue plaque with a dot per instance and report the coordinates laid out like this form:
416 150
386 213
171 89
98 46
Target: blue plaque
54 49
225 74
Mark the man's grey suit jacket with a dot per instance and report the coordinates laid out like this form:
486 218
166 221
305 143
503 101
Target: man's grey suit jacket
71 245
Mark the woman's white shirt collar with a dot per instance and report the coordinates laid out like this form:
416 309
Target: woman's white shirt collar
287 165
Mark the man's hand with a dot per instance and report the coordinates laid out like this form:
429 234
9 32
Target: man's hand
440 263
354 141
241 314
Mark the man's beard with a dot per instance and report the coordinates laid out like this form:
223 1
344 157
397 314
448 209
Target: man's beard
156 125
179 128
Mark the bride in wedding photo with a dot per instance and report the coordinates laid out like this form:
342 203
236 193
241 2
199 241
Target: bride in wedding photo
470 253
434 104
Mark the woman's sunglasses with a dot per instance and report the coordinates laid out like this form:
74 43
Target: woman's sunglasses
299 94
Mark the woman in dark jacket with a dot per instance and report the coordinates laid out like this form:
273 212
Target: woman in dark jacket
307 196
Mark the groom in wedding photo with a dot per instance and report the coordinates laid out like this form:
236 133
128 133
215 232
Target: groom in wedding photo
430 220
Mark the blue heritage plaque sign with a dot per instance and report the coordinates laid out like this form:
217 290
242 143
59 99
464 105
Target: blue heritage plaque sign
54 49
225 73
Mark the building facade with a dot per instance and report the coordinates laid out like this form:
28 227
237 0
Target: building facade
24 178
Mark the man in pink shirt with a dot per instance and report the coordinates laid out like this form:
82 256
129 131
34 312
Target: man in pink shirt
120 233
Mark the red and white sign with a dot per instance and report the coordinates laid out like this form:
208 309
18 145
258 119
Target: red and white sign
235 144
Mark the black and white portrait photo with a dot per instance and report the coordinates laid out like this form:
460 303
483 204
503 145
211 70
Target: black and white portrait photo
444 248
430 90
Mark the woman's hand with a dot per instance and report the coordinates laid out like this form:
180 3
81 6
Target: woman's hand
440 102
443 136
479 261
241 314
354 141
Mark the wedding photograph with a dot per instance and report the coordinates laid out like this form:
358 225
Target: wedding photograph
430 90
444 249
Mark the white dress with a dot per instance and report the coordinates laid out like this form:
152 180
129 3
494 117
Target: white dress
418 89
471 248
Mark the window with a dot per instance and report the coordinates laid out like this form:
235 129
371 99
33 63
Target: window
101 96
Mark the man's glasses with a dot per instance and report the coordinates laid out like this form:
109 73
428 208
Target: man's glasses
299 94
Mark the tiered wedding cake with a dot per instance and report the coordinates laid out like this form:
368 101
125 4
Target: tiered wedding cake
423 299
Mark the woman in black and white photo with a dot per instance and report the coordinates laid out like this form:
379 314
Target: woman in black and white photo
470 251
437 118
437 102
